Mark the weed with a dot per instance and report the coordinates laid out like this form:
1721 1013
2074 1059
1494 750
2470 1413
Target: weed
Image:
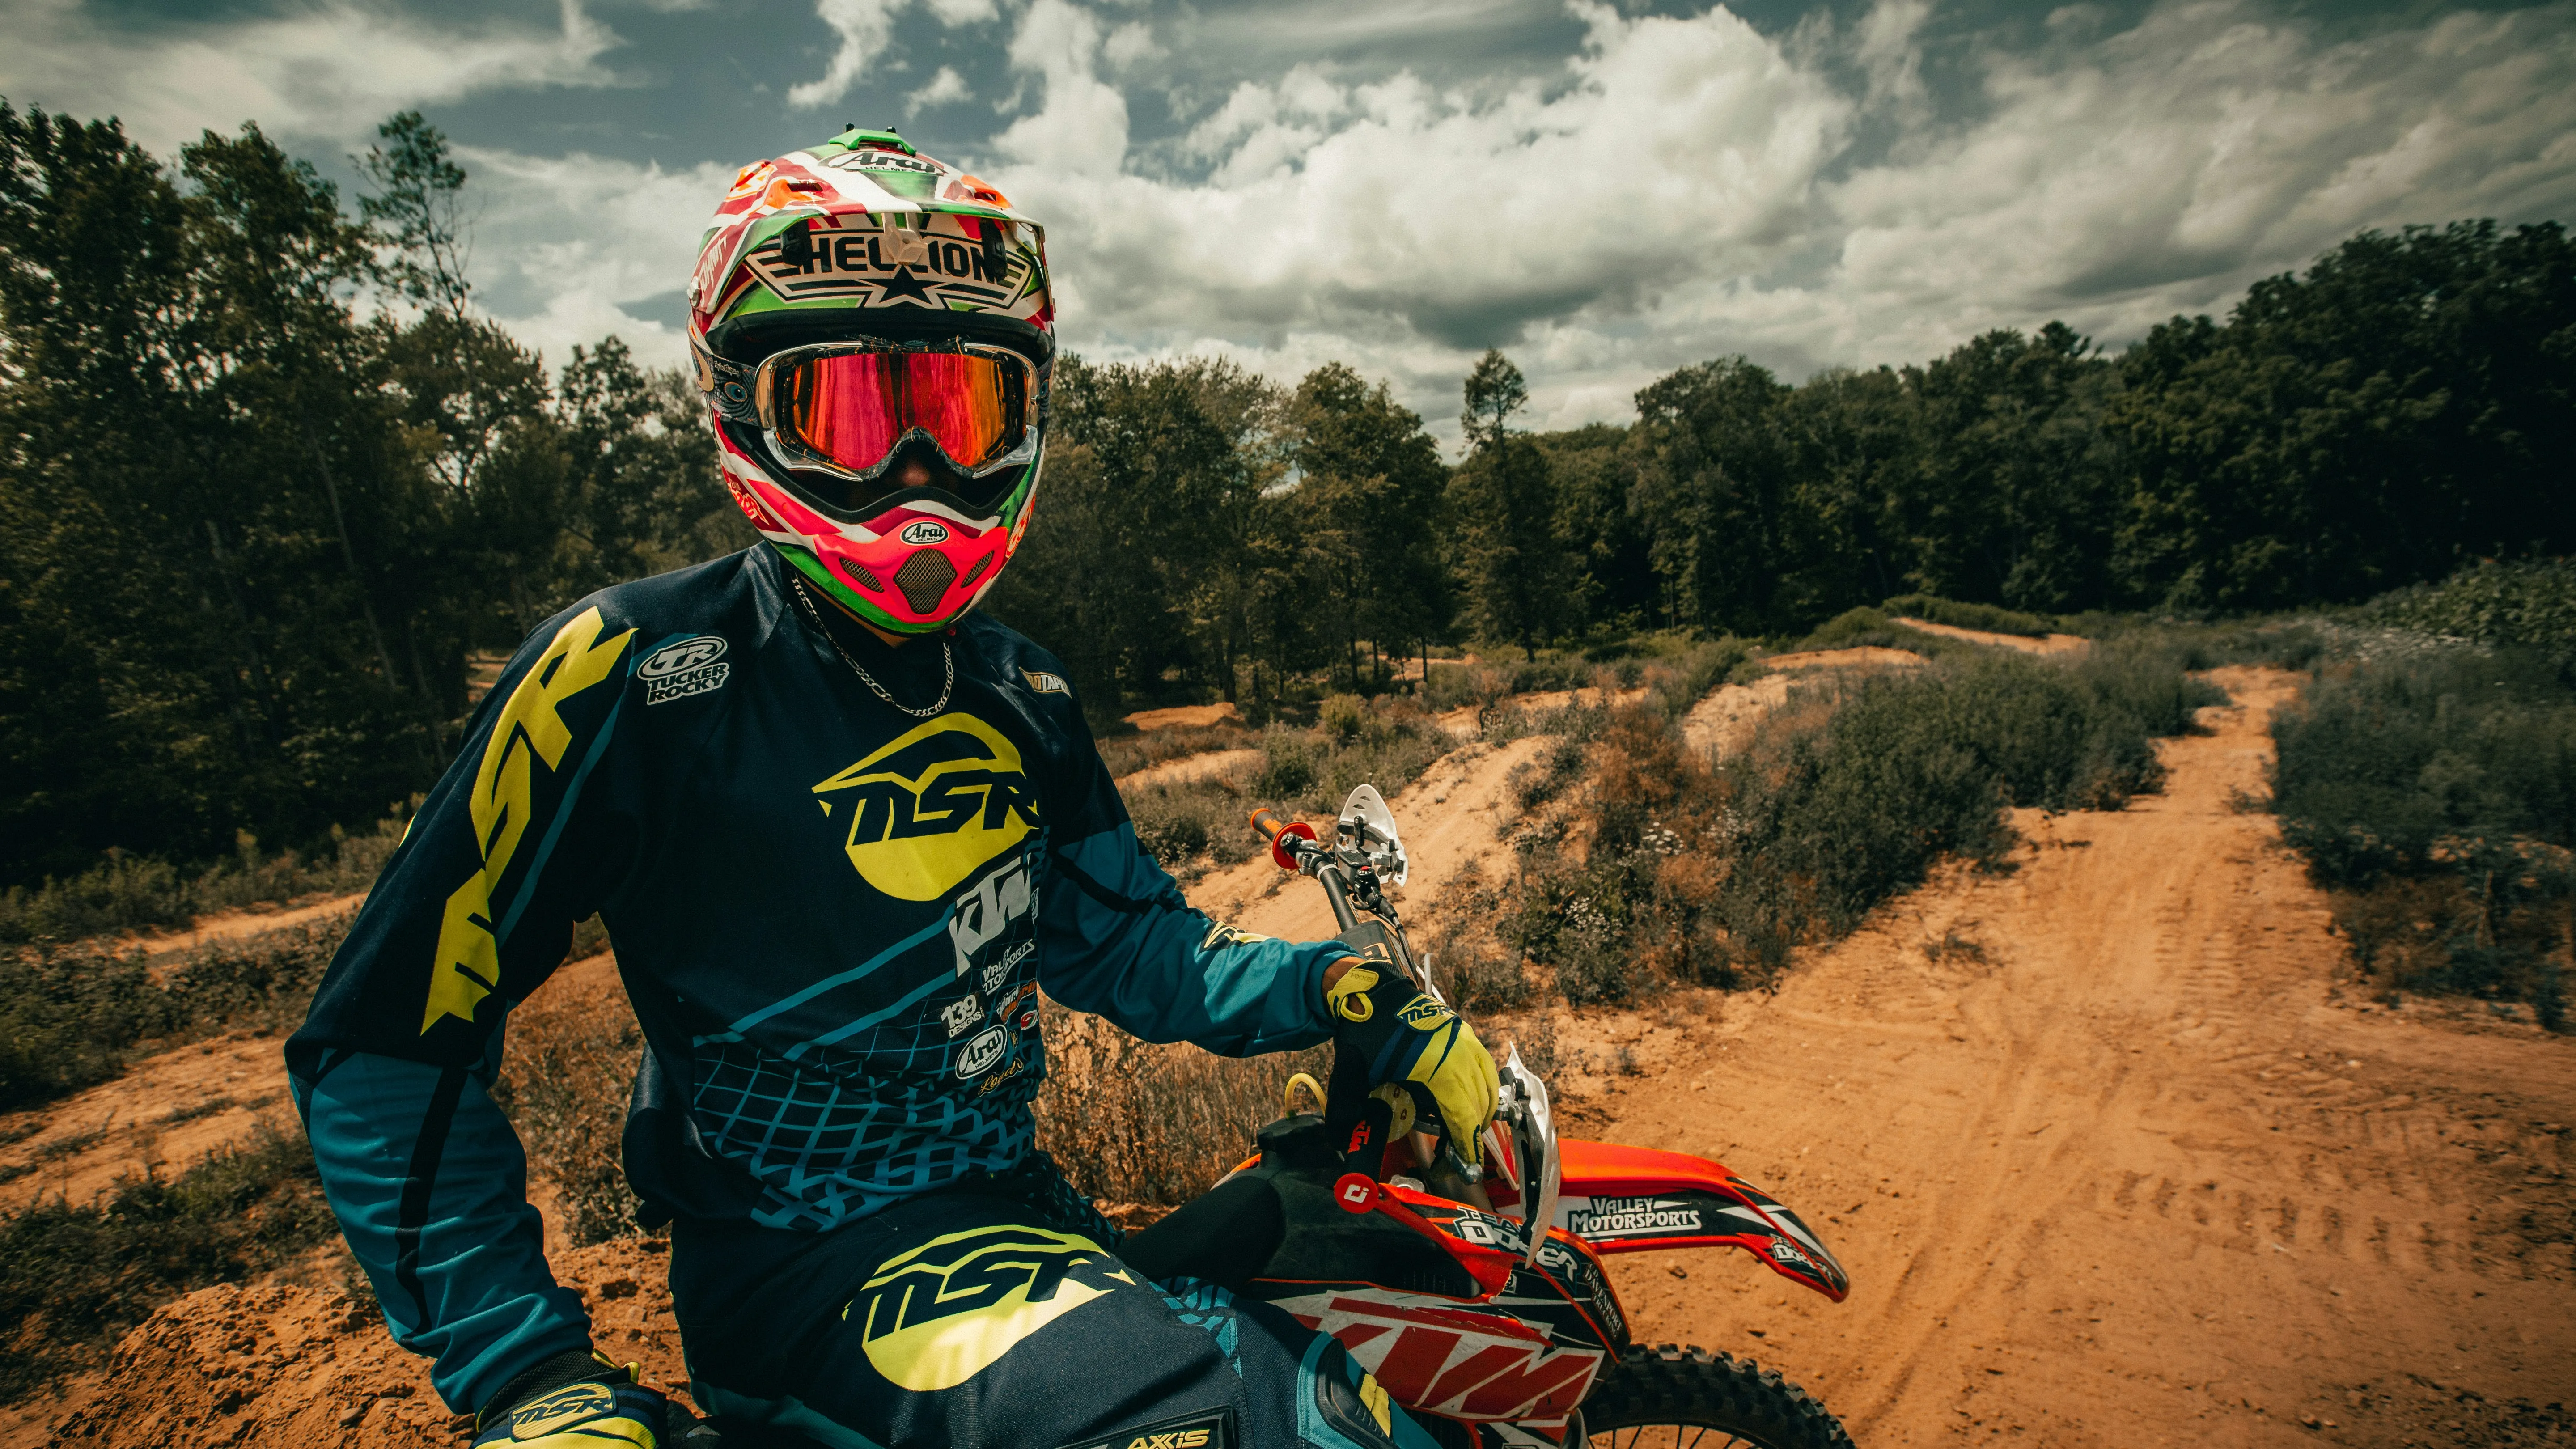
567 1074
1535 1037
1136 1122
1467 959
195 1110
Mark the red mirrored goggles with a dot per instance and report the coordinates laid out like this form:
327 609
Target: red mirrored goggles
844 408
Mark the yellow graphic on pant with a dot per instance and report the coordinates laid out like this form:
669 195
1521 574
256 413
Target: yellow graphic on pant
949 1309
530 728
934 804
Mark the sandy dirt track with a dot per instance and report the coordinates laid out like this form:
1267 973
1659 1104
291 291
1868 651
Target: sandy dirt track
2109 1167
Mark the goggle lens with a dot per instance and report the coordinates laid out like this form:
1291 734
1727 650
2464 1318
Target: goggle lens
850 409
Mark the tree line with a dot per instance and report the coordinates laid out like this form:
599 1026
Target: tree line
268 478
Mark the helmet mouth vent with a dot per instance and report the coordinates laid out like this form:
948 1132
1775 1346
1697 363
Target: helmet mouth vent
859 572
924 579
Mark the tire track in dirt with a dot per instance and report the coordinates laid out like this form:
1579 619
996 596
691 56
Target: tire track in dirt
2107 1165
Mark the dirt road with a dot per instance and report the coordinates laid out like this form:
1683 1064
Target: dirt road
2109 1166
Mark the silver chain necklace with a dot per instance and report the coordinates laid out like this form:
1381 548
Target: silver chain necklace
946 658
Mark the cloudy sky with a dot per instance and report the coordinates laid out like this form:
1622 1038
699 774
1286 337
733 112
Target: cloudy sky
1605 188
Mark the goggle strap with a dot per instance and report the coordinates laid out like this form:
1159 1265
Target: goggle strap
726 384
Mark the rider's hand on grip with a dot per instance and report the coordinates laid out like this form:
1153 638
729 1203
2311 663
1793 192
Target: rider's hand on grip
1406 1038
605 1408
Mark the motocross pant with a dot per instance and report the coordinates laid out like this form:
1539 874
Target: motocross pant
999 1313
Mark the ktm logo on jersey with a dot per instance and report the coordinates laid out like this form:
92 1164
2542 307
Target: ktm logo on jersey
930 807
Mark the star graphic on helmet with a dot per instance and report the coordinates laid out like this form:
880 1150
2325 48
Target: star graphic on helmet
903 284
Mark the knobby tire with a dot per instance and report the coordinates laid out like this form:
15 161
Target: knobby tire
1672 1397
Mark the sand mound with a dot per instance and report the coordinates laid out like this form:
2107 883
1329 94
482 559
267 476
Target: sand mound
1187 716
283 1367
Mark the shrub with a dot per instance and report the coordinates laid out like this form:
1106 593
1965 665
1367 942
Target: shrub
2528 605
71 1017
74 1279
1849 793
1467 958
1866 628
2434 796
123 893
1985 617
1682 679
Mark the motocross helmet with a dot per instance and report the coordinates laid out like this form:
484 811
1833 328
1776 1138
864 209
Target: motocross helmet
873 333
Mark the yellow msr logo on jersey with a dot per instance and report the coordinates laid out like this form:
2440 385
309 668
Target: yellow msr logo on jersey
946 1311
934 804
530 730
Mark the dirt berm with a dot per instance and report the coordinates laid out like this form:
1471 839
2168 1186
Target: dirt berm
2111 1164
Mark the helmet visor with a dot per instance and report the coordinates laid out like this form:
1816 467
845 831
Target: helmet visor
846 409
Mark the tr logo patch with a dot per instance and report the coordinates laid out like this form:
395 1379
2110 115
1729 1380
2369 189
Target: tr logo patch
939 1315
1045 683
690 667
933 805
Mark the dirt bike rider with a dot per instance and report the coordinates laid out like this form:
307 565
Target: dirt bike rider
841 829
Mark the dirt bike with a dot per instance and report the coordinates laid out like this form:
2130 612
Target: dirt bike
1476 1296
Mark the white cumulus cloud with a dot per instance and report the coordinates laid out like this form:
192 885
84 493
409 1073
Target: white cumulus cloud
1688 187
332 69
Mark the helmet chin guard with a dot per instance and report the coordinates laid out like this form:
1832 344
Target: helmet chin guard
861 246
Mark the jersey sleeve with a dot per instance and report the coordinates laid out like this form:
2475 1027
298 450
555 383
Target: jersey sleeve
1120 941
393 1068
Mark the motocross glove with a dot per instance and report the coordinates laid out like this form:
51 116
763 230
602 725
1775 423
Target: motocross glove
574 1400
1407 1039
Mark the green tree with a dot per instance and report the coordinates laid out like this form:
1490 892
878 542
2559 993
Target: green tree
2402 407
1368 499
1715 480
1518 578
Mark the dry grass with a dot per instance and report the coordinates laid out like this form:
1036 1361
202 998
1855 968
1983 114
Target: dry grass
567 1072
1126 754
1134 1122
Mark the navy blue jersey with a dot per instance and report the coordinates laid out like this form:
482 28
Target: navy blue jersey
833 919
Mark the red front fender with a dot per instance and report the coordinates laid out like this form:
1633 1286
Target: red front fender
1636 1199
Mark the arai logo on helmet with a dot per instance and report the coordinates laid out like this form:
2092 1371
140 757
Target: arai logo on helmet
923 530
